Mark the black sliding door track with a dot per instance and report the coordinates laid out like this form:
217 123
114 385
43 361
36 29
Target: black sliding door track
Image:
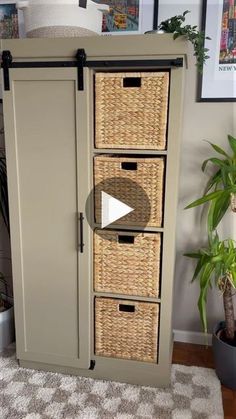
81 62
178 62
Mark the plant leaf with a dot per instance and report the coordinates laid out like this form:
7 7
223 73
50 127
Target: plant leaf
232 142
214 180
4 206
234 277
204 284
198 268
176 35
229 260
205 198
215 161
218 149
192 255
210 218
219 209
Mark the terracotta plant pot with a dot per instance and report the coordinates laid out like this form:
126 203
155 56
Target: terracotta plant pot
225 358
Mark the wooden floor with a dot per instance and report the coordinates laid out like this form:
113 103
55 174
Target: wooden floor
200 356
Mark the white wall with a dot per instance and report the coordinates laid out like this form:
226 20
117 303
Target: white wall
211 121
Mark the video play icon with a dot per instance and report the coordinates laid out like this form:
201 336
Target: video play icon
113 209
115 202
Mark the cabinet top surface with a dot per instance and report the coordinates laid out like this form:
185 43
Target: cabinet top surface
97 46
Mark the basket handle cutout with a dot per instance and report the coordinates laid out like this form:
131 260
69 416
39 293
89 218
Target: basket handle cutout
129 166
126 308
132 81
126 239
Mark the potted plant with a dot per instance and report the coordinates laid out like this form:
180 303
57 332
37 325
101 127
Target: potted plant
197 38
6 302
217 261
6 316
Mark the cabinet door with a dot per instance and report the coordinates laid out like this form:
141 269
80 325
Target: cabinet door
43 126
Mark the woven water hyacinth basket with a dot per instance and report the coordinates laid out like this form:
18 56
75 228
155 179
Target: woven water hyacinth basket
131 110
148 174
127 263
59 32
126 329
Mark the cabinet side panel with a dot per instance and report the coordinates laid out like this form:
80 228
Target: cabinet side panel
45 128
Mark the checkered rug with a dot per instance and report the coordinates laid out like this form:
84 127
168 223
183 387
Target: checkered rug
195 393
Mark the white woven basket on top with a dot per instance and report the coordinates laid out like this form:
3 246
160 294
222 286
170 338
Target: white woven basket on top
53 18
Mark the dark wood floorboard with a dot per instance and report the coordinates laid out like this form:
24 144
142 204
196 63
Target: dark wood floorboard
201 356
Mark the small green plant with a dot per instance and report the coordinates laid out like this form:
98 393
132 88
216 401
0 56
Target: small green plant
217 261
3 282
4 211
197 38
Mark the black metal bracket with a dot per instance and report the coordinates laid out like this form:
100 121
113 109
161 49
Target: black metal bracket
81 60
178 62
6 64
92 364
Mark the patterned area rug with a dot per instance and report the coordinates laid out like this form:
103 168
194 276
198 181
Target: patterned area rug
195 393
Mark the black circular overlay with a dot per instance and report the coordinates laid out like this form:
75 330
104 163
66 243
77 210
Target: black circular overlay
126 191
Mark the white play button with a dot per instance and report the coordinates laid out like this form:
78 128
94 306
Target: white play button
113 209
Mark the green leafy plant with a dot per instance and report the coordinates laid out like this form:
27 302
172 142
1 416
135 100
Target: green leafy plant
217 261
4 206
220 189
197 38
3 304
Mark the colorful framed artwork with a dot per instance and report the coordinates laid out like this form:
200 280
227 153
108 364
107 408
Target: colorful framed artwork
129 16
9 25
218 81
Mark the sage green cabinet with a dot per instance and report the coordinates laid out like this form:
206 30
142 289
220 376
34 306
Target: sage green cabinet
49 130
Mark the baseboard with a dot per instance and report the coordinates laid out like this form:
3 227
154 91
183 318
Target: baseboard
192 337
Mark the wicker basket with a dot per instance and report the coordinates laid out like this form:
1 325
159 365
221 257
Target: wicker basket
127 263
126 329
131 110
148 174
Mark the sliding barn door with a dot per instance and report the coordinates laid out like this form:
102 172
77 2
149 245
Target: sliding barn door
43 152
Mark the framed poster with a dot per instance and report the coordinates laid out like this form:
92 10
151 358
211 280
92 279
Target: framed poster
218 81
9 26
11 23
129 16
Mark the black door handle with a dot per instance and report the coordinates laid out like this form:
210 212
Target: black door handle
83 3
81 232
